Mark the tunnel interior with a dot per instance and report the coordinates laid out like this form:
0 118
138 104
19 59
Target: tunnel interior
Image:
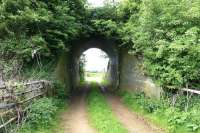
109 47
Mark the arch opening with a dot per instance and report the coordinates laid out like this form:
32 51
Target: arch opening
93 66
109 47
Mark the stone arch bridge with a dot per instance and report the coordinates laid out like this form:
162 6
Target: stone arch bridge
124 71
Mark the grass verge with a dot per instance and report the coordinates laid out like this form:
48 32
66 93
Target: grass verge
43 119
161 113
100 114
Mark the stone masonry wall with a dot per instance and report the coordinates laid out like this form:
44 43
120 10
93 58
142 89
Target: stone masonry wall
132 77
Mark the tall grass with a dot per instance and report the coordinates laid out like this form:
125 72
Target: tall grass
43 71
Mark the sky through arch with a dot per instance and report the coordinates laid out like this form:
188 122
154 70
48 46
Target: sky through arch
96 60
96 3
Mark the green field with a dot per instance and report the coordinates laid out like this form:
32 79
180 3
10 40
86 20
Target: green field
98 77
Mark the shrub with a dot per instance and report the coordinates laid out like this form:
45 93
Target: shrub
61 92
42 112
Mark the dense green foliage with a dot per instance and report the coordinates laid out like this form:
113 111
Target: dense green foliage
38 28
166 33
42 116
41 112
101 116
33 31
82 63
182 117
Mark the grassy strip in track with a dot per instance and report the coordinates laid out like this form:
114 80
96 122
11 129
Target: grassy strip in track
100 114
